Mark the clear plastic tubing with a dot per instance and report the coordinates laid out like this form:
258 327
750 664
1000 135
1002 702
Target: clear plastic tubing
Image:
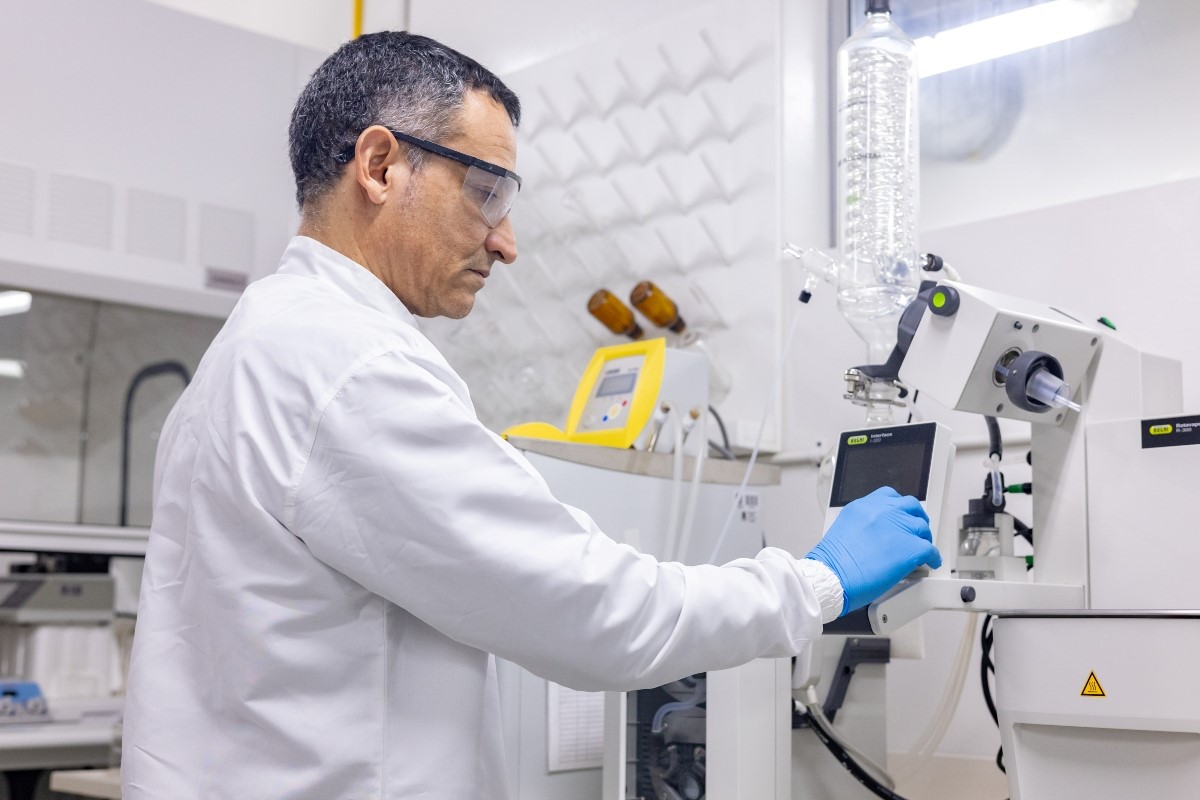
1050 390
656 725
877 174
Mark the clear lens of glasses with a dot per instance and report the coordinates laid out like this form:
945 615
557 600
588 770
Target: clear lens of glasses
494 194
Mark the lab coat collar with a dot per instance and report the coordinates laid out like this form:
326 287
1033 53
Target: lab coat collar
305 256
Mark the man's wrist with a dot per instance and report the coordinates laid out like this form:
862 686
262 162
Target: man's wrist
828 588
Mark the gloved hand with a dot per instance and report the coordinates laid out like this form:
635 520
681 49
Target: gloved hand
876 541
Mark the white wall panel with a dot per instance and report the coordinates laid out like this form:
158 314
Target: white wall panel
156 226
513 36
316 24
113 102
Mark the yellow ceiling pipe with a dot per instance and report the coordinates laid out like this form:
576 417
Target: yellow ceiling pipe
358 18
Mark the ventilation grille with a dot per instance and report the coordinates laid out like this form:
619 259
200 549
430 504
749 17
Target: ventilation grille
156 226
16 199
226 238
191 244
81 211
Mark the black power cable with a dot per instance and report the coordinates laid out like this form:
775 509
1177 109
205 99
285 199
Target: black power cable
728 455
724 449
1023 530
847 761
995 445
721 425
986 665
147 372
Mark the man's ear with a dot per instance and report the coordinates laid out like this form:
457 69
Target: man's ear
380 166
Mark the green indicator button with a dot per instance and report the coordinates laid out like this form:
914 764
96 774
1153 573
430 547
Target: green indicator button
944 301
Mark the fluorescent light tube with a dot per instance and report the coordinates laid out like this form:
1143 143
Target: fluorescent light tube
15 303
1017 31
11 368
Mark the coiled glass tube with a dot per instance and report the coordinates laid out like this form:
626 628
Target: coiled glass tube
877 169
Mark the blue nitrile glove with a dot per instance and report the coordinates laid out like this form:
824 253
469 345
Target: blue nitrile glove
876 541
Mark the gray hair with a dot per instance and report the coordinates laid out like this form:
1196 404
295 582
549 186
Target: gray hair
400 80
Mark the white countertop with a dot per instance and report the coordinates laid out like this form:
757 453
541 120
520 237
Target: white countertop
104 783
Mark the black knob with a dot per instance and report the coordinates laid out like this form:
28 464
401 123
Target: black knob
967 593
1021 371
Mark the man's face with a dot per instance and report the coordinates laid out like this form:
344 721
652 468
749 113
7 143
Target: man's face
438 248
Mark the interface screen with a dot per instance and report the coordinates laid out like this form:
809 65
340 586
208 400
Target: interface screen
616 384
899 458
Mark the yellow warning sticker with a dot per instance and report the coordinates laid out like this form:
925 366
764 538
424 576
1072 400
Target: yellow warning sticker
1092 688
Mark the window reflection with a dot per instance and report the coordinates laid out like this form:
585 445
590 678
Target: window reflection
66 366
1096 114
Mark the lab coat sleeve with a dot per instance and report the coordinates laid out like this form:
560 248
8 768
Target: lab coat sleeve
406 493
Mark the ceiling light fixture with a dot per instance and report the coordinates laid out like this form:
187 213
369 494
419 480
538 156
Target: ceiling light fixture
1017 31
15 303
12 368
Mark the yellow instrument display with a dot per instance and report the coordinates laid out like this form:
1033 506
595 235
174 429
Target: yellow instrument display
614 400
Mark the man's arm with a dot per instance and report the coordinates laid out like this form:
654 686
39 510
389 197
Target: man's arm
407 494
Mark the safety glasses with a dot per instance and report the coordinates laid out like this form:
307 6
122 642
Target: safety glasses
490 187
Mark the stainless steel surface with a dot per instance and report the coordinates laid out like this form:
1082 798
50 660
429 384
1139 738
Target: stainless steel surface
68 538
81 734
67 598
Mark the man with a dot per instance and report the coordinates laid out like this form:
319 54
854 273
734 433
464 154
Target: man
338 544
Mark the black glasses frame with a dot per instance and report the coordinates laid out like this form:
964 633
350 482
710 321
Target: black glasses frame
455 155
444 152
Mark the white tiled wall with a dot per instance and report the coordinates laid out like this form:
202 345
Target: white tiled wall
652 155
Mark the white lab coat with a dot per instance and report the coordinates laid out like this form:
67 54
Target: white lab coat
338 544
